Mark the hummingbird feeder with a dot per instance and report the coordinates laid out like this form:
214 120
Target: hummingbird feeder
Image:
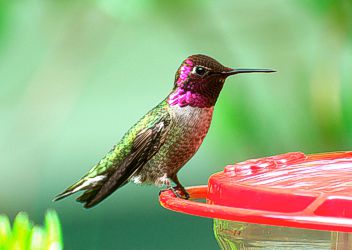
288 201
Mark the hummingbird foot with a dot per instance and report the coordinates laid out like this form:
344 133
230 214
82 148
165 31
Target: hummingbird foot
180 192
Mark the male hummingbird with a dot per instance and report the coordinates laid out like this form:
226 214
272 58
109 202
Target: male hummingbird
163 140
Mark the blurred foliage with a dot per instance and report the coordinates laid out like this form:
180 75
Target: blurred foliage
26 236
75 75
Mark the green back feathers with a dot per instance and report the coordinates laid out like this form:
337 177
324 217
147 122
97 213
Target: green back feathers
99 176
119 152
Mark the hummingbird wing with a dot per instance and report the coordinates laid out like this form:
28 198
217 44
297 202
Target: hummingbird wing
135 149
145 146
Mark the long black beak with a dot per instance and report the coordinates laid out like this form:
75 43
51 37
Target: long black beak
239 71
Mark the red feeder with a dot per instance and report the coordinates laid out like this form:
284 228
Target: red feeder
271 202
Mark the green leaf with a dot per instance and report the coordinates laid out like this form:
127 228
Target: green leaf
25 236
21 231
53 231
38 238
5 232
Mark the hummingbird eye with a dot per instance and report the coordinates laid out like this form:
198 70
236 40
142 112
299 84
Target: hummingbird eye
199 70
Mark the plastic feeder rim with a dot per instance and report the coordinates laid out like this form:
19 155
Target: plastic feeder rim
293 189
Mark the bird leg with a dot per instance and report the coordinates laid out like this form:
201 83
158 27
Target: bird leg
179 190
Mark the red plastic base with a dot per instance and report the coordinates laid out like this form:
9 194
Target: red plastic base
295 190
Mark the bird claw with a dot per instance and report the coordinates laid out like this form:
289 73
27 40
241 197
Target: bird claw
178 192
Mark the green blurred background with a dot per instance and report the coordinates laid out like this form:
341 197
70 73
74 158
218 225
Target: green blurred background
75 75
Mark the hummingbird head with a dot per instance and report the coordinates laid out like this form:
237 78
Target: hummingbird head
199 80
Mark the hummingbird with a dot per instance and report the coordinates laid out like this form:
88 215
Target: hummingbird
165 139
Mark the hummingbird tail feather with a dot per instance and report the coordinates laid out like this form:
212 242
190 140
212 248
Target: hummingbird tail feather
91 197
87 195
83 184
64 194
